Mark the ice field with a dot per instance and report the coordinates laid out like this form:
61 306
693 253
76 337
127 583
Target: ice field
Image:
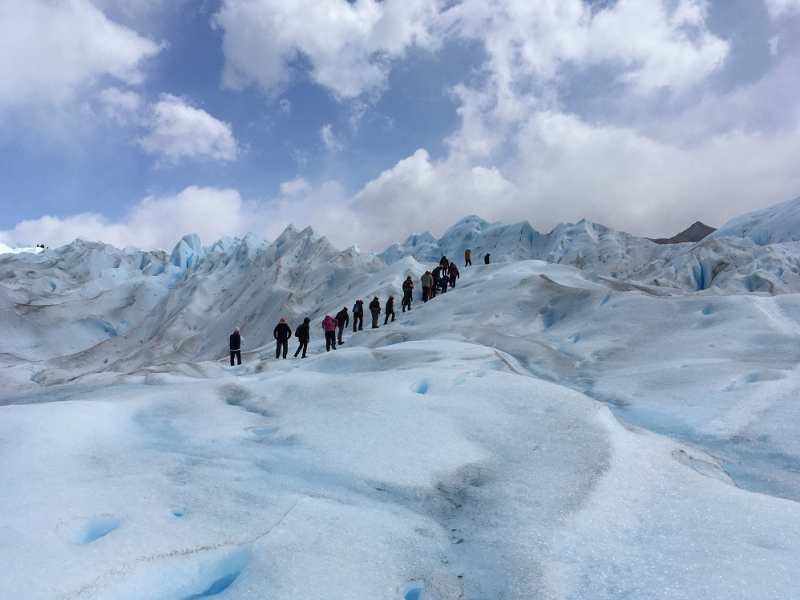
580 419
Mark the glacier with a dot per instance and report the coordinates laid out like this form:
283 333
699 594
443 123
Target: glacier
592 415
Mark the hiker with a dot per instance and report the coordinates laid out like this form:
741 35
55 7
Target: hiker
236 346
408 290
454 274
375 309
468 257
389 309
444 281
329 325
343 320
486 259
427 283
444 264
437 281
358 315
303 334
282 333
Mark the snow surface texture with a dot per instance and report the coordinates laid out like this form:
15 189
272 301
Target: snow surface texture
540 431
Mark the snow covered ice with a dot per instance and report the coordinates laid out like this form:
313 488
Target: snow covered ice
591 416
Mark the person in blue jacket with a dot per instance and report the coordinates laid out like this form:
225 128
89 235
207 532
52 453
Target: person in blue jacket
358 315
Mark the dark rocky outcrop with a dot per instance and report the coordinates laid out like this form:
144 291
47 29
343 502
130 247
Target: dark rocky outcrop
695 233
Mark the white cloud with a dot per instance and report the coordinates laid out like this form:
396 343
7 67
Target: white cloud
782 8
294 187
349 46
300 156
566 169
419 194
658 48
49 51
121 106
647 45
286 106
156 222
178 130
330 139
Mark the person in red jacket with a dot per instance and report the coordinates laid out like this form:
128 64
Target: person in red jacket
453 274
329 325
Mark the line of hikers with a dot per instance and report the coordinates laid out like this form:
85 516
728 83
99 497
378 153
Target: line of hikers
440 278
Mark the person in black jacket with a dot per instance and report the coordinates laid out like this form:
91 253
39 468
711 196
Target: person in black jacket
343 320
389 309
358 315
437 281
303 334
282 333
375 309
486 259
236 346
408 291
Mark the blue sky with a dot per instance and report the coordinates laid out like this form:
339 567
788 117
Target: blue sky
138 122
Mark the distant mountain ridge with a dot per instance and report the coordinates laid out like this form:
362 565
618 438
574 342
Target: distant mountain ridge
695 233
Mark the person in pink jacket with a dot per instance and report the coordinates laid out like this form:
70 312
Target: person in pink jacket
329 325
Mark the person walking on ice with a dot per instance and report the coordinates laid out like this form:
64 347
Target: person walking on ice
329 325
282 333
358 315
408 291
468 258
343 320
486 259
437 281
375 309
236 346
389 309
453 274
303 335
427 283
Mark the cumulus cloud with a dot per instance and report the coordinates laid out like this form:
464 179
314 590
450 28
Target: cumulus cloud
658 47
49 51
782 8
565 170
121 106
569 169
155 222
349 47
532 48
179 130
418 193
519 152
294 187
